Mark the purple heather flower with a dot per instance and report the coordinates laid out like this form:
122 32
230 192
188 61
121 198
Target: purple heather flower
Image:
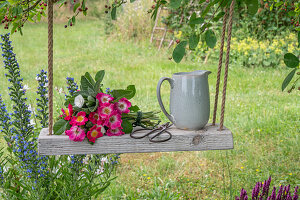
279 194
273 195
295 197
268 186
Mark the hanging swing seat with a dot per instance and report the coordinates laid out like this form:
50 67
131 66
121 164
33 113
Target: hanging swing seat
209 138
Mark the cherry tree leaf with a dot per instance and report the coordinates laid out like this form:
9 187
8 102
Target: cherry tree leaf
210 38
193 41
288 79
252 6
291 60
175 4
179 51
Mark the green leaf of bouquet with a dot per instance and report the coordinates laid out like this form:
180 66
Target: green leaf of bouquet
288 79
97 87
291 60
100 75
60 126
85 84
119 94
94 107
131 1
128 93
252 6
175 4
210 38
193 41
114 13
127 126
82 92
179 51
92 92
89 78
91 99
134 108
132 90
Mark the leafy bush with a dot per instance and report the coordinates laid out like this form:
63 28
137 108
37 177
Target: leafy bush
251 52
23 173
266 53
267 23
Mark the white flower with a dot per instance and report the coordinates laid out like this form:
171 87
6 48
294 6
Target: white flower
26 87
104 160
47 95
38 78
46 84
86 160
31 109
79 101
60 90
32 123
100 171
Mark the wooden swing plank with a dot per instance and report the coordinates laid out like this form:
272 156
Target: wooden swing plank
210 138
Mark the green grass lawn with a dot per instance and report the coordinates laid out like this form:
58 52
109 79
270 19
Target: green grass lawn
264 120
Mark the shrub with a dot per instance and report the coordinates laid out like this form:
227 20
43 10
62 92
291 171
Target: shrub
251 52
266 53
23 173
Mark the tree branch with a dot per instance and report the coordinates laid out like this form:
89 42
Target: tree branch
33 6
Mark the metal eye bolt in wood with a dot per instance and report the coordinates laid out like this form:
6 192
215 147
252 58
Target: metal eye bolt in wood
182 140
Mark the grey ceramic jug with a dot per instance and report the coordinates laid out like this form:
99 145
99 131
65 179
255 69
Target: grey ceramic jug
189 99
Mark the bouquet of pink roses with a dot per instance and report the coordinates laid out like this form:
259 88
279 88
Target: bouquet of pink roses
92 113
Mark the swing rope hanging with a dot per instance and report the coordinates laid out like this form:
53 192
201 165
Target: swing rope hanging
210 138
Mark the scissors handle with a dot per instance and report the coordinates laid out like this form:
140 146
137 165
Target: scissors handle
162 129
142 136
158 134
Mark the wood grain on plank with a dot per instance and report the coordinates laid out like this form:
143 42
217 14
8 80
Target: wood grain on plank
210 138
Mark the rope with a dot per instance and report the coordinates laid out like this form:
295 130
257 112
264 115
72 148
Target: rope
50 64
220 67
226 65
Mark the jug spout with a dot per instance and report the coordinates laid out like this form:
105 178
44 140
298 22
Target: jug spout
207 72
201 72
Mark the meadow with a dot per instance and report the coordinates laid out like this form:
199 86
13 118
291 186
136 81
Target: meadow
265 121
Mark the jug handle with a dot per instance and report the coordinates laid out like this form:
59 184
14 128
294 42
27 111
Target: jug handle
171 82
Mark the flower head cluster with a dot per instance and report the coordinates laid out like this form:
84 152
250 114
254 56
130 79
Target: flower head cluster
1 174
4 118
42 102
17 127
261 191
106 119
72 86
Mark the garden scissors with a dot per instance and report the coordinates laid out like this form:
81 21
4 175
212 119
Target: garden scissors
161 129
